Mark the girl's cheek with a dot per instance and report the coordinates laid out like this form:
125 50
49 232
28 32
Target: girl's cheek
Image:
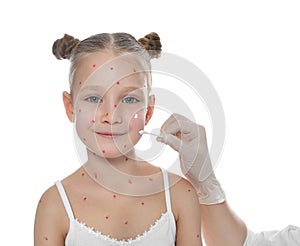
136 124
85 111
84 119
137 120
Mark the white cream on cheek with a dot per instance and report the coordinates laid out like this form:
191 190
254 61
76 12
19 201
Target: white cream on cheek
137 123
139 116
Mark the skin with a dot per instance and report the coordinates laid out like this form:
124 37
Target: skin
221 226
106 129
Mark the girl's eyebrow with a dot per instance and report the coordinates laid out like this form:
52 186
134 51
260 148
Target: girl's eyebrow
131 88
92 87
125 89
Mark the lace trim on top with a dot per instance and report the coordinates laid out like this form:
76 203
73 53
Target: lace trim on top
129 241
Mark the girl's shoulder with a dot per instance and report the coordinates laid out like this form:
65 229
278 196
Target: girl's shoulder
179 184
51 198
182 193
51 218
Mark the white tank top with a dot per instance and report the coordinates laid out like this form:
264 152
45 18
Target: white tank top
162 233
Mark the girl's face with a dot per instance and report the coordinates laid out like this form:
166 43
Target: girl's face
110 103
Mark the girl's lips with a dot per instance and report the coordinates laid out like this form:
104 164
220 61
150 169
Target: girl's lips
109 134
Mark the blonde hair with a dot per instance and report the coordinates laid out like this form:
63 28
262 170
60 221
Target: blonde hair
73 49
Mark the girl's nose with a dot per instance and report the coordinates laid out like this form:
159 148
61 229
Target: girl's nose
109 114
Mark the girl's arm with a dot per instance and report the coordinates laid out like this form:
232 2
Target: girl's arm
220 225
50 220
187 213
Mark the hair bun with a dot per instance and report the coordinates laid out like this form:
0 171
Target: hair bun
63 47
151 43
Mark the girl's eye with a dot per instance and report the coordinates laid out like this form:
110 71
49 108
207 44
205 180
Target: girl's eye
93 99
130 100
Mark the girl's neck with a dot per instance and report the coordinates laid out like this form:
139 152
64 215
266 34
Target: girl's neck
128 164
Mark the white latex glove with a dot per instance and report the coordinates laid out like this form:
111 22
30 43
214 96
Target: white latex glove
189 140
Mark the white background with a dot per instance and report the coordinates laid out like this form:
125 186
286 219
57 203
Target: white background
250 50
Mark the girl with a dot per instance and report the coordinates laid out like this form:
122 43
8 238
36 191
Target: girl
115 198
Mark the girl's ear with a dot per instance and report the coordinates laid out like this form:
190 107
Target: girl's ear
67 98
150 108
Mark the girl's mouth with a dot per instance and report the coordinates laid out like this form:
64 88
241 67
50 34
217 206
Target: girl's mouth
110 134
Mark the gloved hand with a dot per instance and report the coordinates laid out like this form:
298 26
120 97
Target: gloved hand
189 140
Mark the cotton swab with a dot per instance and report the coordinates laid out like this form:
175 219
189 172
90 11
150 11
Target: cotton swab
150 133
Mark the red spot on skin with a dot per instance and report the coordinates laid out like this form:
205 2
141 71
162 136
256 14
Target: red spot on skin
80 82
107 217
114 195
103 151
129 181
126 222
84 199
93 121
94 65
106 114
82 174
46 238
118 83
126 159
111 68
115 105
150 179
142 203
189 190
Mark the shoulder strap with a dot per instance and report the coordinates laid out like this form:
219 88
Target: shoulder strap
64 199
167 189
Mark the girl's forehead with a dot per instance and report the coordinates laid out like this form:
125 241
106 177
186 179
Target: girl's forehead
132 82
105 63
105 69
